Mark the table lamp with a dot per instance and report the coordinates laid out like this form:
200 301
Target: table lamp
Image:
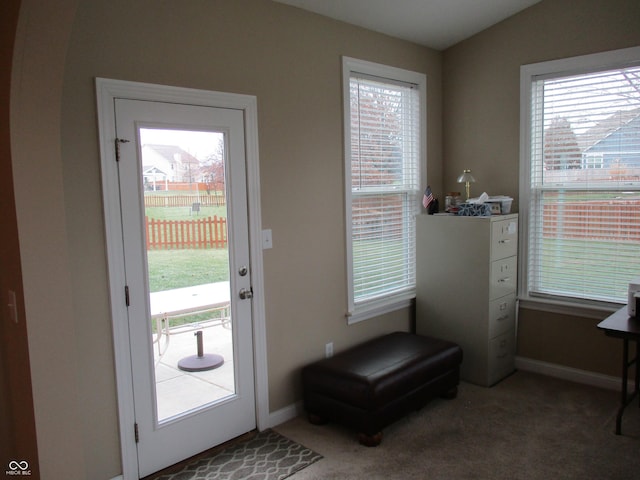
467 179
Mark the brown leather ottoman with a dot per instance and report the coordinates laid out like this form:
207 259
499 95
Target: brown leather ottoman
374 384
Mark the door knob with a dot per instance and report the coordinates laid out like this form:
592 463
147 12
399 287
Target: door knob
245 294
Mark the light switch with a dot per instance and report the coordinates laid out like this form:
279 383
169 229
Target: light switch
267 241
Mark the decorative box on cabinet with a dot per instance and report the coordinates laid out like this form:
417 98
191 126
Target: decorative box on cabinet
466 277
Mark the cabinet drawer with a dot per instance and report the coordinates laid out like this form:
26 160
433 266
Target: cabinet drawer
504 238
501 356
502 315
504 277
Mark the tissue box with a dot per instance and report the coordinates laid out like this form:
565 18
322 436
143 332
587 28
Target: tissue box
475 210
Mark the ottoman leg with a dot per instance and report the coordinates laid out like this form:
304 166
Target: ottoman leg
316 419
450 394
370 440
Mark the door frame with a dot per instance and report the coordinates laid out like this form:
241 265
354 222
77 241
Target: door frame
107 90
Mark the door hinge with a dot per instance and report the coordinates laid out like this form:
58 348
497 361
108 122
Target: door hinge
126 295
135 432
118 142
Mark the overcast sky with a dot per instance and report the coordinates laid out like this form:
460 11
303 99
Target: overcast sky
198 144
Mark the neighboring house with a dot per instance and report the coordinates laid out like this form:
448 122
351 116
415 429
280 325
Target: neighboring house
155 178
168 163
611 145
607 151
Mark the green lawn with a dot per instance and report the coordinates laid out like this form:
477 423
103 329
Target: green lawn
577 267
182 268
184 213
385 257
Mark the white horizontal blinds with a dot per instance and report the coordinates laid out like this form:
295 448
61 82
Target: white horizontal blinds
585 185
384 185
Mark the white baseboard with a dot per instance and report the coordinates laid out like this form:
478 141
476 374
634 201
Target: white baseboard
568 373
284 414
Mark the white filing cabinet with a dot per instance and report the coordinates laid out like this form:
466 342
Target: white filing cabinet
466 277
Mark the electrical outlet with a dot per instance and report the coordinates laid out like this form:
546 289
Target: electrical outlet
328 350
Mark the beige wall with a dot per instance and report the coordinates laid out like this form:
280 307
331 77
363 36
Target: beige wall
36 87
291 61
17 423
481 132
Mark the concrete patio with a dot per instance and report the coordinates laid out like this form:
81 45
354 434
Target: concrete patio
180 391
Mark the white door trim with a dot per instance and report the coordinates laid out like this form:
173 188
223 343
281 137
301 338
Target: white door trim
106 91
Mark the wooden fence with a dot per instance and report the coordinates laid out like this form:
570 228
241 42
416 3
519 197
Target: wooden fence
173 186
209 232
214 200
593 220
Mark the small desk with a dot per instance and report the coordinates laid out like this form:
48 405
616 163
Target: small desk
621 325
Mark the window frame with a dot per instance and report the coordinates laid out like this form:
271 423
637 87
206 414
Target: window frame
350 66
528 75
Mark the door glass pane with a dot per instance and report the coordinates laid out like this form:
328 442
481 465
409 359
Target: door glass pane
183 178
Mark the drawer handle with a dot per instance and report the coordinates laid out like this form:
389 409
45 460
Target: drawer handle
506 240
504 280
503 355
504 317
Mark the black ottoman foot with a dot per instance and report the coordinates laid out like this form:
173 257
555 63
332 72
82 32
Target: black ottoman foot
450 394
370 440
316 419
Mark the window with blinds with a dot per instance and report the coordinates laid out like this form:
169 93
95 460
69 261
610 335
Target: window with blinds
383 156
583 171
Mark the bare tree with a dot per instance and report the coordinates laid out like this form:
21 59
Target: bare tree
561 150
213 171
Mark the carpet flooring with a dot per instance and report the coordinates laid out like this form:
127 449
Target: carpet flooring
267 456
528 427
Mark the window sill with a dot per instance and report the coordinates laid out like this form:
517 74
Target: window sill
380 307
596 310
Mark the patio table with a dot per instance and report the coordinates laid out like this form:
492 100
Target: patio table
186 301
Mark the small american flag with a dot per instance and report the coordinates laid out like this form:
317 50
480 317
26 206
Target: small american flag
427 198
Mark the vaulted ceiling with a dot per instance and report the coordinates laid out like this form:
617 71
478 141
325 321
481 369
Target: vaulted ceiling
438 24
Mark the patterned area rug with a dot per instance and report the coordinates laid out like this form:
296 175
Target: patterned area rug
267 456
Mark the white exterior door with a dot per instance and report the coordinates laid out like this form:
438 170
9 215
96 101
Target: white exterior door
187 288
